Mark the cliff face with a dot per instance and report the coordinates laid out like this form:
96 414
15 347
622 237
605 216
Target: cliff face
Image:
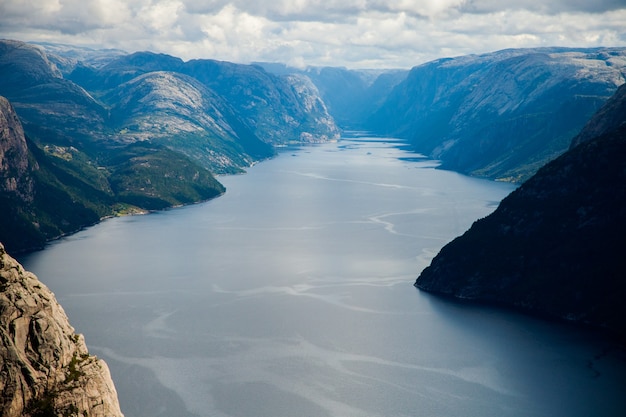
555 246
15 168
45 368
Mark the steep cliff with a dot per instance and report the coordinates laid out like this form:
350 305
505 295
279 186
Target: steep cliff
45 368
44 193
555 246
15 167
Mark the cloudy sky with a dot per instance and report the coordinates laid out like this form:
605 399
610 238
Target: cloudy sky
351 33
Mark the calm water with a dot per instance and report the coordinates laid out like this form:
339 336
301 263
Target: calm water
292 295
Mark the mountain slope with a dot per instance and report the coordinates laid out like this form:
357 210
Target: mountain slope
555 245
49 106
34 204
179 112
54 190
504 114
278 109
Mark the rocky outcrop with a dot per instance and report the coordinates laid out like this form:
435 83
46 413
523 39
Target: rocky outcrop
45 368
555 246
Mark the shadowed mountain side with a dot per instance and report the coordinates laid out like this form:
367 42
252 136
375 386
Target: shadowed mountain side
350 95
609 118
555 246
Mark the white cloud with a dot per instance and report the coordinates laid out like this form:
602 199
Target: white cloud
353 33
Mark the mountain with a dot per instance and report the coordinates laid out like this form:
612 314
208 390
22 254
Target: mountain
120 132
120 69
34 204
45 368
501 115
278 109
555 246
179 112
51 190
351 96
68 57
260 106
49 106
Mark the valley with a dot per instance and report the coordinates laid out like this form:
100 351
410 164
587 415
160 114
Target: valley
290 293
110 132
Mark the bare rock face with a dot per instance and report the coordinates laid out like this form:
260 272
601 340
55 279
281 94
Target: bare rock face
14 163
45 368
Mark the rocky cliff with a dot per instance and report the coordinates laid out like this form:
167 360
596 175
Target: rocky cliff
555 246
15 167
45 368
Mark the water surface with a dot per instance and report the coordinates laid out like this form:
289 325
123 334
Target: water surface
291 295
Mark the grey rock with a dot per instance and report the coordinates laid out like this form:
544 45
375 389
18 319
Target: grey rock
44 365
15 167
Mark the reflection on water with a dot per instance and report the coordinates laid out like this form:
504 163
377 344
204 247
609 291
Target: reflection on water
292 295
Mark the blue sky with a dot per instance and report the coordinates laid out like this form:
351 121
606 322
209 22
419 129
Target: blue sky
350 33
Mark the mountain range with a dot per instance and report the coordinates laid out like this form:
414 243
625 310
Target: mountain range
501 115
110 132
98 133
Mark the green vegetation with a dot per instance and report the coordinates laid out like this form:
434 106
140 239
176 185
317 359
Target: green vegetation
71 193
152 178
73 373
44 405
